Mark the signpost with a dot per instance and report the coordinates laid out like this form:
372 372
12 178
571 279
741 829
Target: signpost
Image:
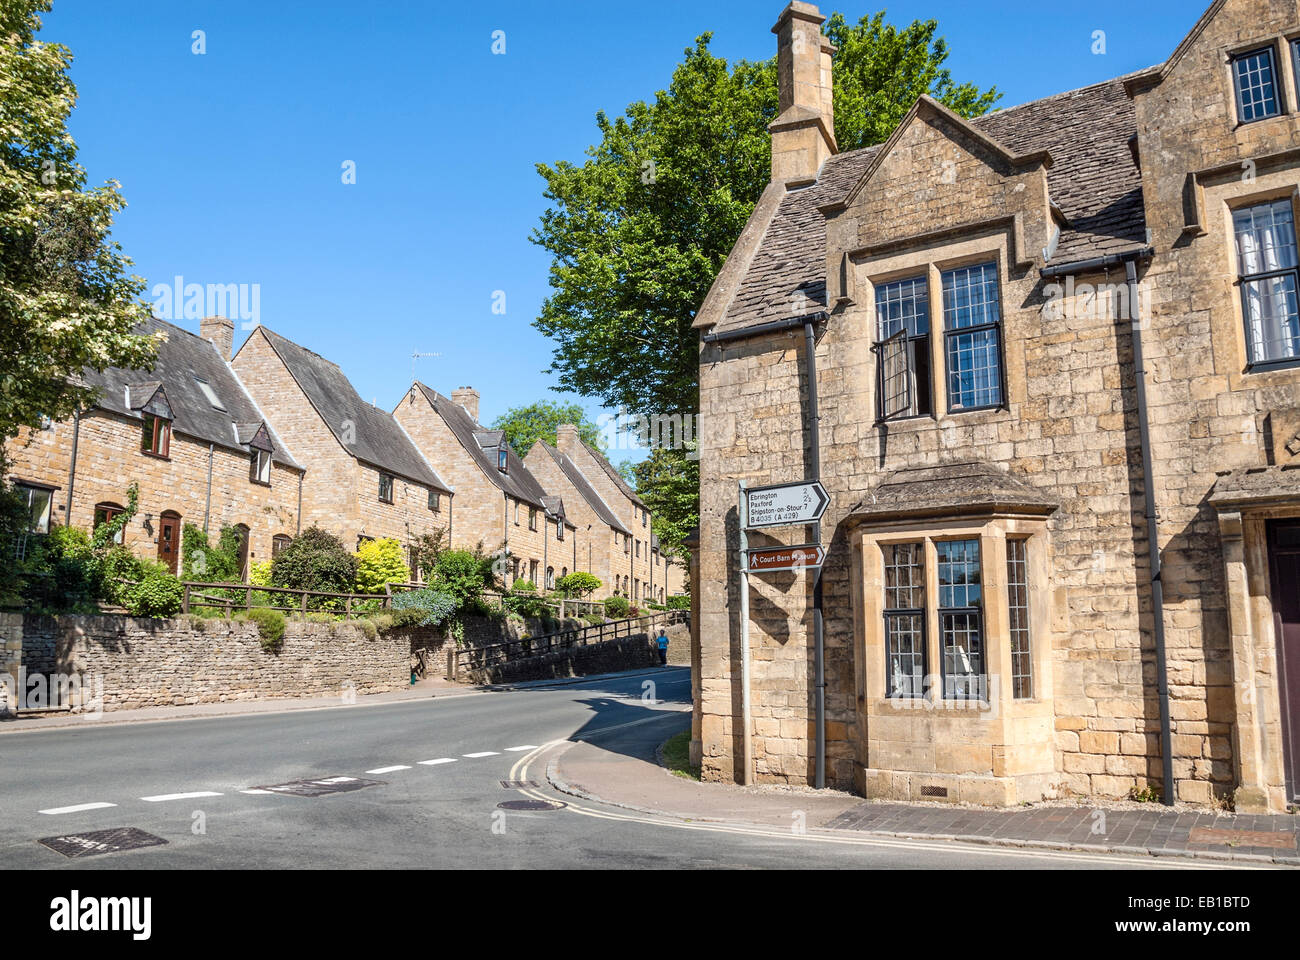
787 505
786 558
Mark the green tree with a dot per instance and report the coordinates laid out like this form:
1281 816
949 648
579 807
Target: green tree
67 299
578 584
524 426
668 481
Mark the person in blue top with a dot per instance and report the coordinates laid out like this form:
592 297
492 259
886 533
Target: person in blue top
662 641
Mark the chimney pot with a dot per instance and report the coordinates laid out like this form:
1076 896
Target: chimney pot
221 333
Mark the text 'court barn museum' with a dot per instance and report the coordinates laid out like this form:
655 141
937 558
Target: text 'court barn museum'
1041 337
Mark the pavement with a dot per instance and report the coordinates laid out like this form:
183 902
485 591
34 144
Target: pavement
634 779
534 776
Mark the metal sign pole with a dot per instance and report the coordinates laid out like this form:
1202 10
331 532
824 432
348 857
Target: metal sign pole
746 747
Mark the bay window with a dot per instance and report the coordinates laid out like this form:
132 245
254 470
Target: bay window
961 620
905 621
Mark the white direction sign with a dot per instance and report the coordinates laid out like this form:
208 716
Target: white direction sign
791 504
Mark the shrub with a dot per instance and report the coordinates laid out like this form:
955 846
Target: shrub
270 625
523 601
315 560
117 564
578 584
379 563
464 575
592 619
617 608
157 595
428 547
367 627
431 607
524 586
682 602
207 564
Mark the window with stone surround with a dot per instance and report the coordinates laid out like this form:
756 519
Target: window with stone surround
1255 83
532 518
156 436
903 349
38 501
1022 664
435 501
972 319
559 529
385 488
1267 266
961 620
905 666
260 467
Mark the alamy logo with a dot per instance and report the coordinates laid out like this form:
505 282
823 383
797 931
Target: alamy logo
74 913
196 301
80 692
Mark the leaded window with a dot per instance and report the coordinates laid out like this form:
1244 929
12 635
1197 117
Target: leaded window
1022 670
905 621
972 317
1256 85
961 620
903 348
1267 265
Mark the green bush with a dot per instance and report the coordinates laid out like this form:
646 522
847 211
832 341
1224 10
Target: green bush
617 608
203 563
315 560
270 625
682 602
118 564
380 563
578 584
592 619
464 575
430 607
368 627
158 595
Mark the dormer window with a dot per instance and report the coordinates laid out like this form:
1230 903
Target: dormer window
260 471
503 458
559 529
156 437
385 488
1255 80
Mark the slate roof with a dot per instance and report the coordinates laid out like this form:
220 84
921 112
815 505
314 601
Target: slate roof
182 357
482 446
614 475
555 509
951 489
588 492
1094 180
377 438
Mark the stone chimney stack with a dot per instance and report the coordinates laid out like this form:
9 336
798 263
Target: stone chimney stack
567 439
803 136
221 333
468 398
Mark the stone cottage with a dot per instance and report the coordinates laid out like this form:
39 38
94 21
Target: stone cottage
503 507
187 432
1047 365
367 478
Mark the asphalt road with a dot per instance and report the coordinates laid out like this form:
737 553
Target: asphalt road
440 815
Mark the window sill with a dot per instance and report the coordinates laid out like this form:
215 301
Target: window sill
261 483
156 456
1272 366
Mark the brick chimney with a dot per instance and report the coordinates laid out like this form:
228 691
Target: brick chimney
221 333
803 135
468 398
567 439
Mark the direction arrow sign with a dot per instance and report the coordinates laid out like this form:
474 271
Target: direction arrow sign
790 504
785 558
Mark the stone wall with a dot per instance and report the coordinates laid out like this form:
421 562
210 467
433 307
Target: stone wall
614 656
150 663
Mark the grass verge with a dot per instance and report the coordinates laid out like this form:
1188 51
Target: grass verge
677 756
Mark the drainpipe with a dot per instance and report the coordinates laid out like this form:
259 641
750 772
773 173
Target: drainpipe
808 324
72 467
505 530
301 475
207 506
1152 509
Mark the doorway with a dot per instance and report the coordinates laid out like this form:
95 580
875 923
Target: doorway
169 540
1284 559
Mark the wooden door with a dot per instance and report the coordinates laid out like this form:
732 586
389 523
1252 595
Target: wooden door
169 540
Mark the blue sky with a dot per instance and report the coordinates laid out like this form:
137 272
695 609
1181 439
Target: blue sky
232 161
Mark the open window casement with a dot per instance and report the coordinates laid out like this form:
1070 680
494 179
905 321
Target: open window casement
896 365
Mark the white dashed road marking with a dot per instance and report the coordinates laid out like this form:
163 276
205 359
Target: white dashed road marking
479 756
55 811
435 763
179 796
521 749
375 773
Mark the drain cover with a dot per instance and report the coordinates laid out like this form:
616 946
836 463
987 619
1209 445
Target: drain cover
541 806
518 784
321 788
101 841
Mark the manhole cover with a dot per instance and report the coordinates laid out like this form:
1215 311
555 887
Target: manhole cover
519 784
99 842
321 788
540 806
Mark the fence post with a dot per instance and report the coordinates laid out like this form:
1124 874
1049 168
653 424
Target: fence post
185 601
348 608
304 605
